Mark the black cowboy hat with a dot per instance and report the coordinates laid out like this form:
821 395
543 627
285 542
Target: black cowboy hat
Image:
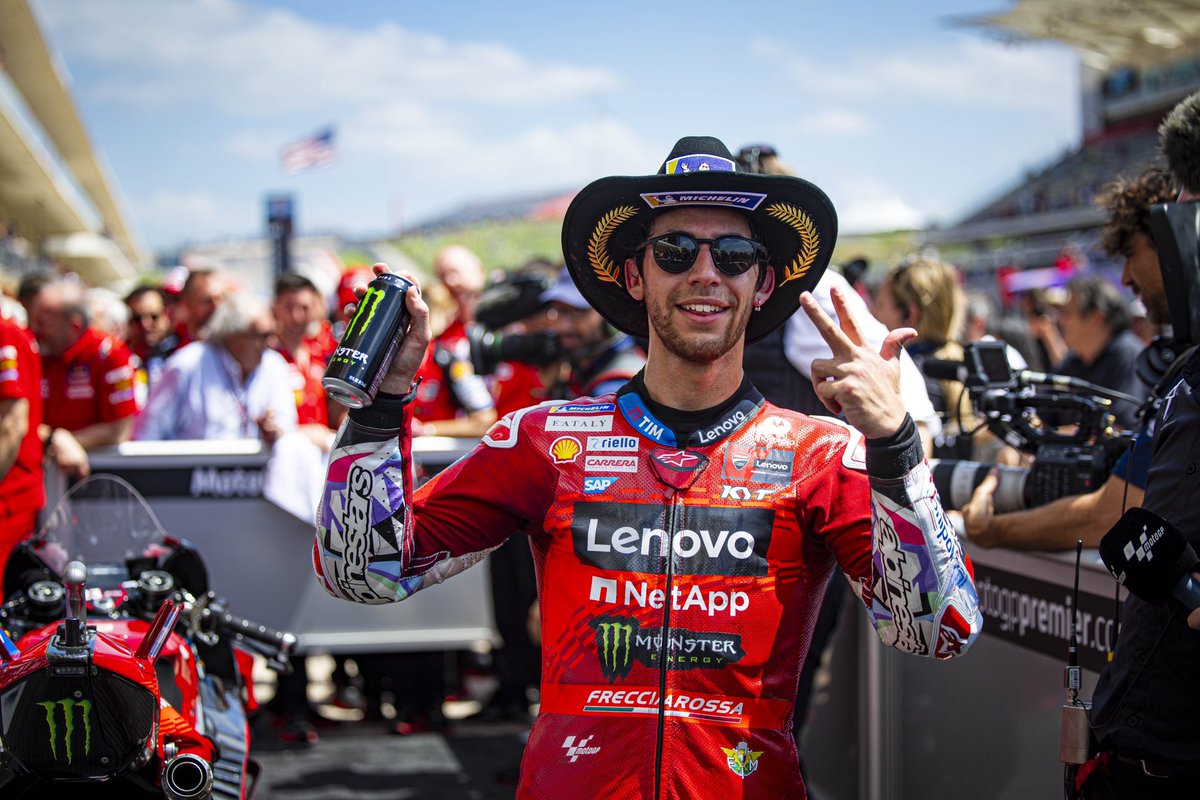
610 217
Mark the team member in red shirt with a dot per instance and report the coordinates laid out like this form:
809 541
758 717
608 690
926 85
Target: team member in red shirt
452 400
21 491
88 380
297 310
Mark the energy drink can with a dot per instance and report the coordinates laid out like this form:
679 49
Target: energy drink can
357 367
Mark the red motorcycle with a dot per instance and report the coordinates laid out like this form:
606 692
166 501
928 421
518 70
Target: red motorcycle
119 670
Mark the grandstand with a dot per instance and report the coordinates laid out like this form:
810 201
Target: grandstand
58 202
1138 59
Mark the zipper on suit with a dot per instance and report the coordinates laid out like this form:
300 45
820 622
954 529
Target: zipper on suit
665 647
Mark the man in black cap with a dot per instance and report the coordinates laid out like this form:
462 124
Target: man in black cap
683 528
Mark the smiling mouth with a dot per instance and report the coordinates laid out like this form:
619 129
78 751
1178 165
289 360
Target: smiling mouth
702 308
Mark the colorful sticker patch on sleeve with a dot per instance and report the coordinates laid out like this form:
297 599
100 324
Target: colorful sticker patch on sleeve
362 518
923 601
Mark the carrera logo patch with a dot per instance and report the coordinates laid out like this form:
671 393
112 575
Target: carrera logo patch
629 537
565 449
610 464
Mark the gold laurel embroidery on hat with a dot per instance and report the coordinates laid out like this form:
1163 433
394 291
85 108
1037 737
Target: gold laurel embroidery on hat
597 250
810 240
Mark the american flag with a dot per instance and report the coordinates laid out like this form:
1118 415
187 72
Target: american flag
311 152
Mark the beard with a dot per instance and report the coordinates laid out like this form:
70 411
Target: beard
698 348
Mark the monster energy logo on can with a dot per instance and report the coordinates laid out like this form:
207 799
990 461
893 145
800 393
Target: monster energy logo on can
620 641
369 304
361 359
68 712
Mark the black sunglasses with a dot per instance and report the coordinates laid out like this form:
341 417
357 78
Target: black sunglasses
676 252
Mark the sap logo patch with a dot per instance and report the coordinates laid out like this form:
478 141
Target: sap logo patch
565 449
597 485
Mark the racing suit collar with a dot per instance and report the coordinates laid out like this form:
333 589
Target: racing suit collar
670 426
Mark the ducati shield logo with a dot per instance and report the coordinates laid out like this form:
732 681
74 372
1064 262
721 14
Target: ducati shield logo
69 739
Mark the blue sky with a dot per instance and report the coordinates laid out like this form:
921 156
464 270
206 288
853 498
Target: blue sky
901 117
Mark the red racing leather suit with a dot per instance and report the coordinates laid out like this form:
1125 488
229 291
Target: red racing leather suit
678 584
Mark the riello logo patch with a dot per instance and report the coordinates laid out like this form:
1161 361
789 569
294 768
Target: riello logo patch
631 537
64 742
622 641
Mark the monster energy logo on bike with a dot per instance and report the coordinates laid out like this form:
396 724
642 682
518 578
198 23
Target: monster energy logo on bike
620 641
68 708
371 298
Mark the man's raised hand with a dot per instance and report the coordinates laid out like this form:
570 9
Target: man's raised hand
857 382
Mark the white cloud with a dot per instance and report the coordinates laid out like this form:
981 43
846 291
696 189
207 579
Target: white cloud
251 62
969 73
867 206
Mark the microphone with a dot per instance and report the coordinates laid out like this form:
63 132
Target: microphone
1151 559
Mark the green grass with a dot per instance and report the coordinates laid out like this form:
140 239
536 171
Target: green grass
508 245
501 245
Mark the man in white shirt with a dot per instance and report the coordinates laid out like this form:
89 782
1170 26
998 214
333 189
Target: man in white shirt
230 385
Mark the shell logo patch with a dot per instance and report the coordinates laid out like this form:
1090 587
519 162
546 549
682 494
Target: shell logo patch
565 449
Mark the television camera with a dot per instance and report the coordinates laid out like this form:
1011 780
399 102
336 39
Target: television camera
1012 404
515 298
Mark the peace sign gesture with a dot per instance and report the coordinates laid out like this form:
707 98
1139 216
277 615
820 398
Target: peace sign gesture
857 382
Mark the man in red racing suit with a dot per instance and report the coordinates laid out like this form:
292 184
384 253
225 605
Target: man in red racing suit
681 554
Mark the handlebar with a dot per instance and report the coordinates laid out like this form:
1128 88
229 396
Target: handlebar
275 646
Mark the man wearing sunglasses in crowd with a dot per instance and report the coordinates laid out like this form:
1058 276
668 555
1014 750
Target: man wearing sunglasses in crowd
683 528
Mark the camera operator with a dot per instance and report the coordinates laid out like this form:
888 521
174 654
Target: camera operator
1147 700
1103 350
1059 524
600 359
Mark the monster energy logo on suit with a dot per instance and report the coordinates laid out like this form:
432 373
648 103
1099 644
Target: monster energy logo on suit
361 360
68 712
631 537
620 641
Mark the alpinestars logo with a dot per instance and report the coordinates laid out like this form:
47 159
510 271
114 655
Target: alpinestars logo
621 641
575 750
68 729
